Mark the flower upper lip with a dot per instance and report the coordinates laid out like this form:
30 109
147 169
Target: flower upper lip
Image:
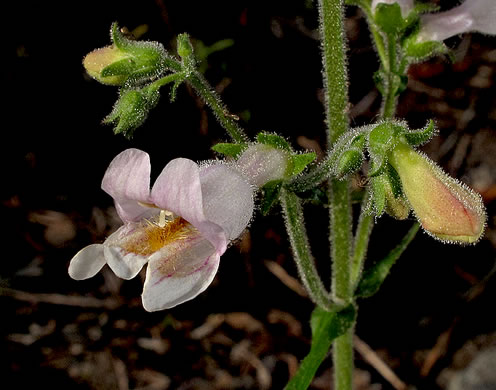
177 189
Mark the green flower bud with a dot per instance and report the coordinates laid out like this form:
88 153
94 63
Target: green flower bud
185 50
131 110
126 61
99 59
447 209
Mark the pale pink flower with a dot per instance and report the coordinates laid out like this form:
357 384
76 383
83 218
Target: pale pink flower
446 208
180 228
471 15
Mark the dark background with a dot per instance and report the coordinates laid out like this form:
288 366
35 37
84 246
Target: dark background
431 317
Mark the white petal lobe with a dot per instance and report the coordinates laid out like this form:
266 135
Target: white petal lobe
87 262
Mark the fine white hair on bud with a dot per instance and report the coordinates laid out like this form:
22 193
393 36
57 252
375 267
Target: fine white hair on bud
447 209
261 163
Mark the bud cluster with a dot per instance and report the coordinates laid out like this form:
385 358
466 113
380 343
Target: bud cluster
403 179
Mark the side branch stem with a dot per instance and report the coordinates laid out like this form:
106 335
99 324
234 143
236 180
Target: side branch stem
293 216
210 97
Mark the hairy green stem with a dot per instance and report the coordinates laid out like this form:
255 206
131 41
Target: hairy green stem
209 96
362 235
390 98
336 93
212 99
170 78
295 226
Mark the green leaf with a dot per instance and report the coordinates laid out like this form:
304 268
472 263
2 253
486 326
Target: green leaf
228 149
374 276
298 162
389 19
326 327
274 140
420 137
271 192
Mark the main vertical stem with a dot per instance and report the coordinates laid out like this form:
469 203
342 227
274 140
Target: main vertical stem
335 79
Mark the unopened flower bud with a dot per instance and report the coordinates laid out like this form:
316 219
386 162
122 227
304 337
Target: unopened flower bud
185 50
261 163
99 59
125 60
447 209
131 110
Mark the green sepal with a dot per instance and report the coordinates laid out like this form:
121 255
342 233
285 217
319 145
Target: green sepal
389 19
274 140
394 181
228 149
420 137
298 162
382 139
420 51
379 80
378 195
145 59
271 192
118 38
351 159
122 67
374 276
401 83
326 327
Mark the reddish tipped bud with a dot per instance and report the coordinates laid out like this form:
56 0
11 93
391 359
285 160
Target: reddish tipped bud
446 208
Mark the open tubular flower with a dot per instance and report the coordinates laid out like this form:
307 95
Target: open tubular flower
447 209
471 15
180 228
